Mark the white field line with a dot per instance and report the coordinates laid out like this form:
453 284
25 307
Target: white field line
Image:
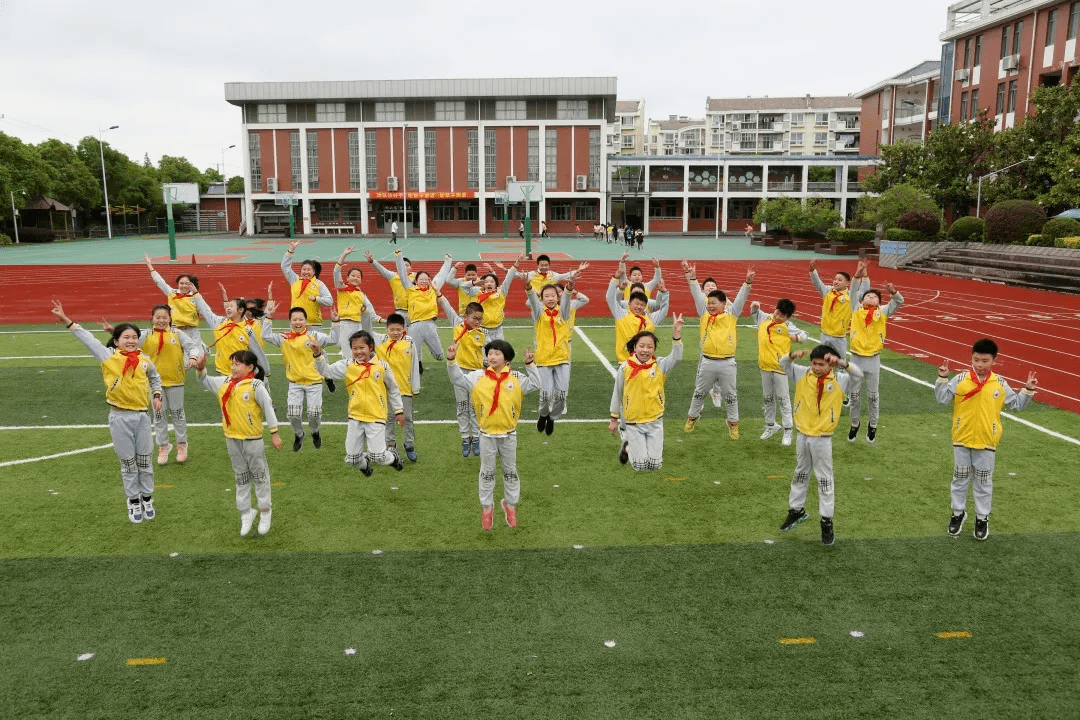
332 423
596 351
8 463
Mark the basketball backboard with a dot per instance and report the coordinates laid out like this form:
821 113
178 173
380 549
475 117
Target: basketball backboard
181 193
530 191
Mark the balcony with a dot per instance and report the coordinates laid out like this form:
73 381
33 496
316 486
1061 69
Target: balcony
850 124
666 186
909 113
826 187
784 186
854 186
737 187
635 185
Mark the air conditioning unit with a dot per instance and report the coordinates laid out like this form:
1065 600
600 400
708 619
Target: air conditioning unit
271 185
736 126
1010 62
582 182
391 183
962 75
511 179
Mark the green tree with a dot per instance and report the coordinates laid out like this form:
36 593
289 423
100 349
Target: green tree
180 170
22 172
956 156
816 214
236 184
901 162
1064 171
773 211
70 181
886 209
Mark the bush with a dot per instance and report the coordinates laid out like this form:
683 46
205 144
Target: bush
901 235
4 239
1068 242
36 235
928 223
1059 228
968 229
1038 240
850 235
1010 221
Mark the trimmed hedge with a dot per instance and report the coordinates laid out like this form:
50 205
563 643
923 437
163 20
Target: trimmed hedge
968 229
1039 241
901 235
928 223
850 235
1068 242
4 239
1060 228
1012 221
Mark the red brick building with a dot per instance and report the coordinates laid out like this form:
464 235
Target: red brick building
902 107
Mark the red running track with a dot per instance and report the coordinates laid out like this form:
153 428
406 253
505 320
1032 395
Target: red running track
941 317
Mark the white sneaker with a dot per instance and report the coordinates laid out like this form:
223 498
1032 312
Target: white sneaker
247 519
148 508
135 513
264 521
769 431
787 437
163 454
717 400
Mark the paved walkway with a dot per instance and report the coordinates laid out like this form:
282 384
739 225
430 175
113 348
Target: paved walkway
241 249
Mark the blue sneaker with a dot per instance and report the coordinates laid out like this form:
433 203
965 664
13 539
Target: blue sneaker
466 447
410 452
148 507
476 446
135 511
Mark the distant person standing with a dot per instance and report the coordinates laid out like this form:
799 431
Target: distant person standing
543 228
393 233
750 231
521 229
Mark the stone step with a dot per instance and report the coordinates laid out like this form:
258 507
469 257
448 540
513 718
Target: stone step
986 255
1029 264
1043 281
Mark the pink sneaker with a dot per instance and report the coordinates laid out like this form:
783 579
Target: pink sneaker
163 454
486 517
510 511
181 452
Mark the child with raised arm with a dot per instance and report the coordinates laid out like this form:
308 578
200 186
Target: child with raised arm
868 325
637 402
637 276
496 394
422 301
465 286
181 300
838 301
634 318
543 274
700 292
492 297
131 384
819 394
353 309
469 341
977 396
775 333
551 315
305 289
397 351
305 382
252 311
231 333
373 395
245 406
401 302
717 365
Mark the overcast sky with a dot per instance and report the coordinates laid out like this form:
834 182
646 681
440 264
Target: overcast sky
158 69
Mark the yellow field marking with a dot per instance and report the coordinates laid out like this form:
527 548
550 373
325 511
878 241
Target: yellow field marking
277 484
798 641
162 486
954 634
146 661
774 477
674 479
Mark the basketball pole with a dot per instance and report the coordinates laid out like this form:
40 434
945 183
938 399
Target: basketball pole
172 223
527 190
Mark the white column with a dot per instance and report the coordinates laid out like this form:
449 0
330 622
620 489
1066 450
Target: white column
333 162
421 163
481 172
305 200
364 206
249 204
541 148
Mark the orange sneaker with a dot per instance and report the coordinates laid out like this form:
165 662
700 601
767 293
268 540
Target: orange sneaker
181 452
486 517
510 511
163 454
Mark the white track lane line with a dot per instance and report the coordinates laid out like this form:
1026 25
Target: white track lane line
8 463
596 351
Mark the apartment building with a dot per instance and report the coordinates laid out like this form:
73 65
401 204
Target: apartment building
678 135
783 125
630 127
902 107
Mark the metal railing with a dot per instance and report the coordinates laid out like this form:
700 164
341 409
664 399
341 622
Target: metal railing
823 187
665 186
784 186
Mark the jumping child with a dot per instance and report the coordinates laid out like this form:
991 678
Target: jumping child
181 300
867 340
469 339
551 319
837 304
397 351
231 333
776 332
633 318
353 309
305 289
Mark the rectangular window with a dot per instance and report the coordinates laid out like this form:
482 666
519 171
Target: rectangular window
389 112
442 211
628 141
294 160
798 119
412 137
330 112
967 53
1012 96
746 140
431 174
371 162
1074 20
551 159
978 51
559 209
1004 41
474 160
1000 99
572 110
468 211
273 113
963 105
796 138
585 212
256 162
498 211
1018 35
1051 27
329 211
354 160
450 110
821 119
974 113
628 120
534 155
594 159
313 161
490 174
821 138
352 211
509 110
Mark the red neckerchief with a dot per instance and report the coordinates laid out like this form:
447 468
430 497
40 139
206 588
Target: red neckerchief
180 296
482 297
303 286
228 392
869 315
464 331
131 360
711 320
292 335
821 389
551 315
349 288
638 368
837 294
642 320
226 328
365 373
768 330
978 385
161 340
390 347
499 379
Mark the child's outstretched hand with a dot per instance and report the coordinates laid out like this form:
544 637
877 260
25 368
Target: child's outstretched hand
754 307
275 440
106 325
831 359
625 254
58 310
529 355
750 275
656 262
271 306
891 288
316 348
813 265
200 364
943 369
149 265
661 287
451 352
334 313
613 426
1032 383
796 354
292 245
677 328
368 256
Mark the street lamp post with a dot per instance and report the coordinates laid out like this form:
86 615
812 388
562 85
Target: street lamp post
225 186
404 184
104 184
978 197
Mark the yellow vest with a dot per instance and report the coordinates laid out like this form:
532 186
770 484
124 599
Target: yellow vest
256 328
836 316
773 344
130 390
977 420
505 417
312 308
184 313
814 418
463 299
228 338
627 327
643 396
867 340
494 310
245 413
717 335
170 361
350 303
470 351
538 281
299 364
366 386
422 304
398 356
626 292
552 339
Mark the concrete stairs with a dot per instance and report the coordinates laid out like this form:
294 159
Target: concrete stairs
1006 265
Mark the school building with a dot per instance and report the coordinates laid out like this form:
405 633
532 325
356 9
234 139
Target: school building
902 107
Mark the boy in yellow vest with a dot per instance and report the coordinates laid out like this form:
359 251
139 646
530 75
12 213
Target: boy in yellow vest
637 276
492 297
373 395
497 394
819 396
868 325
231 333
401 302
638 400
634 317
469 339
776 332
464 285
305 382
838 300
977 396
397 351
716 366
551 320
